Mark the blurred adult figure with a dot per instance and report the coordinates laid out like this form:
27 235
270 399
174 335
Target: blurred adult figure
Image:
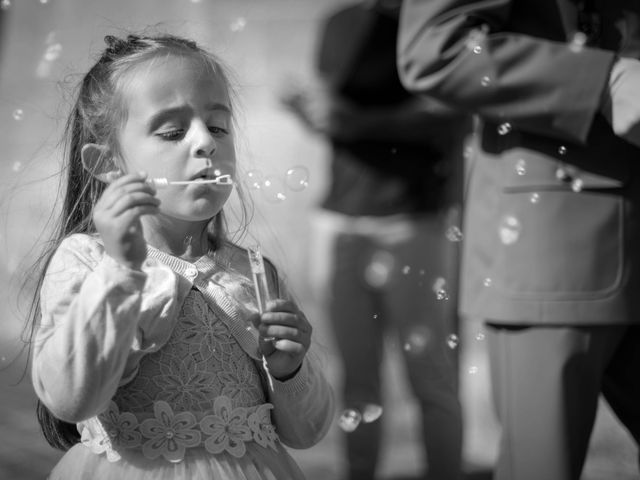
550 256
394 181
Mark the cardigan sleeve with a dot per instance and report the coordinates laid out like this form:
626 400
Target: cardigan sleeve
98 319
465 53
304 406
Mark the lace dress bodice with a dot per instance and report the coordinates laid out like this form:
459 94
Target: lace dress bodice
199 389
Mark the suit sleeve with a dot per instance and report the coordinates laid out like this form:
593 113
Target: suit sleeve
461 52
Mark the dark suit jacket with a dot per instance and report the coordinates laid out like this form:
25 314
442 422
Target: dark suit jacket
551 231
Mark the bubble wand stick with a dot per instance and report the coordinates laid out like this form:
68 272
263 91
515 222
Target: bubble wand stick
164 182
262 293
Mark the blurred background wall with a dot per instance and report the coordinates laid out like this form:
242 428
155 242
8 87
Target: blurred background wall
46 45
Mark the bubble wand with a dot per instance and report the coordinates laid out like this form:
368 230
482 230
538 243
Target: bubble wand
262 293
165 182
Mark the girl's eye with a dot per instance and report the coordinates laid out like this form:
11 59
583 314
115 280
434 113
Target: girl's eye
218 130
172 135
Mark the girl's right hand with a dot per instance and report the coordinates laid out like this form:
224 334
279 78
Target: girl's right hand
117 218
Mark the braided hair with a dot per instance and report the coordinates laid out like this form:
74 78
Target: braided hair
96 117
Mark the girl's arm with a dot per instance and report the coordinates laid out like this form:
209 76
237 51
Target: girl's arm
93 329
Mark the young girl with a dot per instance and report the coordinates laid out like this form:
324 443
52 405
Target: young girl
148 333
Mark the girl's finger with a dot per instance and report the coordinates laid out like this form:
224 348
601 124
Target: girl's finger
281 305
281 332
131 200
290 347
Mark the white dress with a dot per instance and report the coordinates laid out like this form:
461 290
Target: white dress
192 401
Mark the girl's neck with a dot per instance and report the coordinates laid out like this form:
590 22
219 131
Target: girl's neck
183 239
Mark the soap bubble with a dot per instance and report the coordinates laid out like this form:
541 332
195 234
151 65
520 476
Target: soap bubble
297 178
5 4
273 190
417 340
371 412
452 341
453 234
18 114
255 178
378 272
350 420
238 24
509 230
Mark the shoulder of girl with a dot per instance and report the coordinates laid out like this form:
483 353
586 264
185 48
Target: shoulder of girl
82 245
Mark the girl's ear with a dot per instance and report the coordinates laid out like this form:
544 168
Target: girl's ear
98 161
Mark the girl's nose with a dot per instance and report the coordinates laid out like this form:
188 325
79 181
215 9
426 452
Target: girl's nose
205 143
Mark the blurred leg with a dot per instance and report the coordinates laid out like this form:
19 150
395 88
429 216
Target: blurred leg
621 387
546 385
424 320
358 329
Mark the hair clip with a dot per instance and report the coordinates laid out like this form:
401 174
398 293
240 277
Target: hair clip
161 182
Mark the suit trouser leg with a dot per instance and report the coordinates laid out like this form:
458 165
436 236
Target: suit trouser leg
621 386
546 383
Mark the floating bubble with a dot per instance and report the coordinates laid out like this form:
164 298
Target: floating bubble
375 316
473 370
485 81
371 412
578 42
18 114
453 234
509 230
521 167
487 282
504 128
255 178
406 270
17 166
477 49
273 190
452 341
438 284
577 185
442 295
378 272
52 52
535 197
5 4
479 336
562 150
238 24
422 272
297 178
417 340
350 420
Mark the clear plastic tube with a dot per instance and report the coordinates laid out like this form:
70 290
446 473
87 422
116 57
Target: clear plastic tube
259 277
262 293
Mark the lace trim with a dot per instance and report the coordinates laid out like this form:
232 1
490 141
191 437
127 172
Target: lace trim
169 434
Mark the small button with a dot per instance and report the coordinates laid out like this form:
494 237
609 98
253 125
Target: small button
191 272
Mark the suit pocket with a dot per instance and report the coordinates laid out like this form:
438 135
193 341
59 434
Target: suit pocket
526 170
557 244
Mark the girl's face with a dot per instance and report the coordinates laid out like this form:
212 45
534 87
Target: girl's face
178 127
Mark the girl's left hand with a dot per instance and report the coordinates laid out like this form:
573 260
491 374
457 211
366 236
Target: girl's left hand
291 333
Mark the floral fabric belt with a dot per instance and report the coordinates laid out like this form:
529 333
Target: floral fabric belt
169 434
